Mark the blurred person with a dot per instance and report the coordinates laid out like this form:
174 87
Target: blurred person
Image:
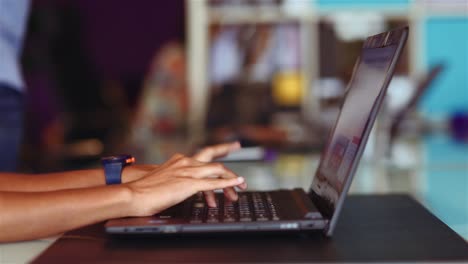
49 204
13 17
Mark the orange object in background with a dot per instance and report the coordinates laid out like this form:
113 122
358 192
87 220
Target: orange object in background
287 88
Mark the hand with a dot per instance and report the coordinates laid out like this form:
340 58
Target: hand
136 172
210 153
176 180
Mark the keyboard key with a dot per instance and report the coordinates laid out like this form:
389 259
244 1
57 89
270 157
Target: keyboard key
249 207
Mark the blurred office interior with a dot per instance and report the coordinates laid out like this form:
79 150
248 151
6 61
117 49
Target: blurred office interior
158 77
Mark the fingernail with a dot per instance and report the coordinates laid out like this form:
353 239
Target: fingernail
240 179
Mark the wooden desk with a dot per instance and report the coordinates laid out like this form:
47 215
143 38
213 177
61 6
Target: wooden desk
373 228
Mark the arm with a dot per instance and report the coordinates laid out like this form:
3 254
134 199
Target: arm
31 215
34 215
66 180
94 177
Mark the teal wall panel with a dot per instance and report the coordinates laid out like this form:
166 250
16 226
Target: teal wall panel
360 3
447 42
446 171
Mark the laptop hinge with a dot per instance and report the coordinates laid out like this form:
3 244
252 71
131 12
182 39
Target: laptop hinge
306 205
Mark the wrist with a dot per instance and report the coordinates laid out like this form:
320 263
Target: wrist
113 167
135 172
125 200
135 204
130 174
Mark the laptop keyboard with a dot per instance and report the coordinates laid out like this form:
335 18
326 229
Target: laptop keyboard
251 206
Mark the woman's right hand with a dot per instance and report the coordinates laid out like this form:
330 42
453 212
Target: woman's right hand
176 180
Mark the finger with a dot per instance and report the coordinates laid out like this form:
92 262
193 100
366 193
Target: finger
182 161
217 151
230 193
172 160
242 186
214 184
212 170
176 157
210 198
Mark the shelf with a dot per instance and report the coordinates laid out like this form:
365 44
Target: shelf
257 14
307 14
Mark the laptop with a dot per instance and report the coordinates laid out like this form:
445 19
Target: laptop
295 210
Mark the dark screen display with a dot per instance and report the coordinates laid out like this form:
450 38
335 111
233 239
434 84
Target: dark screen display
342 147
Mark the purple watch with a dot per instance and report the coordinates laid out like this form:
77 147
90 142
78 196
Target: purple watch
113 166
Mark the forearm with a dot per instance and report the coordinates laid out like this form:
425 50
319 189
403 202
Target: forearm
34 215
51 181
65 180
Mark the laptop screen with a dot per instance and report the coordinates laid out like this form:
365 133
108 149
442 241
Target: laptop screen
361 103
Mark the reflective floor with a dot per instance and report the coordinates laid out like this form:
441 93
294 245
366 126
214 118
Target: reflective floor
446 181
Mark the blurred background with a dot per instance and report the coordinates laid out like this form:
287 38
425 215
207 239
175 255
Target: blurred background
157 77
270 72
85 65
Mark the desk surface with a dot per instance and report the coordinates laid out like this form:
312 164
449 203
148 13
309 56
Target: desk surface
386 228
433 170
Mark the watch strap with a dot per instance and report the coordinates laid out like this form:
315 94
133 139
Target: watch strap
113 173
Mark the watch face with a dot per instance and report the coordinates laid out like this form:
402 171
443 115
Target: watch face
124 158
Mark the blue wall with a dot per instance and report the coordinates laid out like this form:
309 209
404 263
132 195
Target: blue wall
447 181
447 42
361 3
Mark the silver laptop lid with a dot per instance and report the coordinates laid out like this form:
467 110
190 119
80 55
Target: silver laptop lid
345 145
